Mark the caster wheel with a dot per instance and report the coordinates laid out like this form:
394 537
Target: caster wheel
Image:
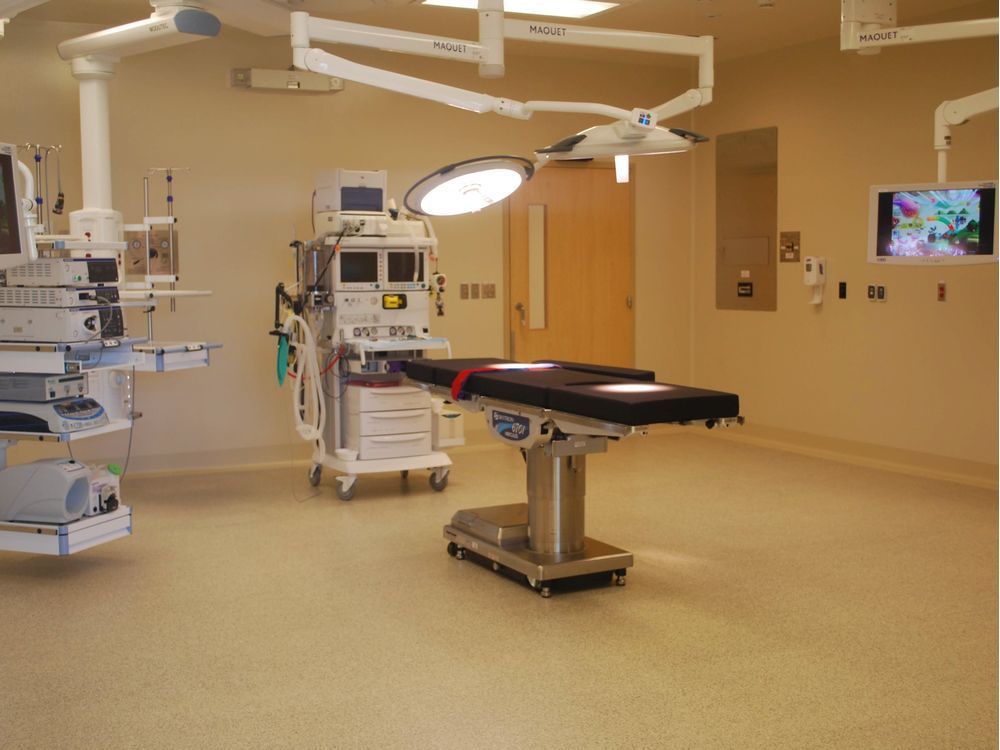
460 553
496 567
404 473
545 592
438 482
347 494
315 475
452 549
619 576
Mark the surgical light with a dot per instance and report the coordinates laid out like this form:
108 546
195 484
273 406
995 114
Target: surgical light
555 8
468 186
613 140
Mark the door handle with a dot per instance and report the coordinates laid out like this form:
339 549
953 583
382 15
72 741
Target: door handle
520 310
628 302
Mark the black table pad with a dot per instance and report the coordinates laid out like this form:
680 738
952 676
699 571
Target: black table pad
582 392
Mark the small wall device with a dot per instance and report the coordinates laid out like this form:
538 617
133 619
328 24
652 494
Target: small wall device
814 275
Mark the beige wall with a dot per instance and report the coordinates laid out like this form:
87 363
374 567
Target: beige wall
254 156
912 381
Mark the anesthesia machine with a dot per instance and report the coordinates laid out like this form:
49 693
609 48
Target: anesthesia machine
361 307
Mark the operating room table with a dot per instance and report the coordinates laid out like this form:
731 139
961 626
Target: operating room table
557 413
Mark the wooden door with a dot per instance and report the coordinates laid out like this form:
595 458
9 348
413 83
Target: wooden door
571 267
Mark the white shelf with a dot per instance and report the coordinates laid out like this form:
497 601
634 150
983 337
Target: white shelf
115 425
167 356
398 345
65 538
152 294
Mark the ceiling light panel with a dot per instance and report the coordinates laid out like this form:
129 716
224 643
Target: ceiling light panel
555 8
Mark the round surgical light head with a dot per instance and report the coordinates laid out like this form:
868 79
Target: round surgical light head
468 186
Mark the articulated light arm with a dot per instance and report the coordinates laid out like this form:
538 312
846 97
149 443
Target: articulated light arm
958 112
638 41
488 52
318 61
477 183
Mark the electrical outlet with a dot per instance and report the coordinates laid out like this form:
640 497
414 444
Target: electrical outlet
871 292
880 293
942 292
489 291
842 290
463 291
474 289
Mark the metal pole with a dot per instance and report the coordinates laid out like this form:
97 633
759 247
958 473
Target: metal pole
145 216
170 213
556 493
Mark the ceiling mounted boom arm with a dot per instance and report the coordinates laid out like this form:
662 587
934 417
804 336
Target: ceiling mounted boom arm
959 112
868 25
488 52
860 36
94 59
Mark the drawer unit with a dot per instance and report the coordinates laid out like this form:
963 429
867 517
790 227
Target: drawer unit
392 422
394 398
394 446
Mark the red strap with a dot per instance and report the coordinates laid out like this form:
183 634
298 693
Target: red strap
459 382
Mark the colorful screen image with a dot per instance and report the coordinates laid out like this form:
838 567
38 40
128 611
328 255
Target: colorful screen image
935 223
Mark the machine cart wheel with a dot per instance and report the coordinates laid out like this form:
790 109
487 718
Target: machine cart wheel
455 551
439 479
620 577
346 487
544 591
315 474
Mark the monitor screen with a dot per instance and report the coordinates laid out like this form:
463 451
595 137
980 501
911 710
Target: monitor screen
949 223
358 267
404 266
360 199
13 233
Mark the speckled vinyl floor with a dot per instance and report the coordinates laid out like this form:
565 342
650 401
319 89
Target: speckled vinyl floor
777 601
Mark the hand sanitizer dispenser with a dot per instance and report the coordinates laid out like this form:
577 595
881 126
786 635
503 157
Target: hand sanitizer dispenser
814 275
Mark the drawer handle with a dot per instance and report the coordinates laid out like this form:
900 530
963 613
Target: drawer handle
398 439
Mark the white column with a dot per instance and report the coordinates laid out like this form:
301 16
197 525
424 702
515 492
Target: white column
97 219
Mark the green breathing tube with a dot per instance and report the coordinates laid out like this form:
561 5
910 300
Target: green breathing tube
282 358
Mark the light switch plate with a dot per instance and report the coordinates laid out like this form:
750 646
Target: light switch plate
789 247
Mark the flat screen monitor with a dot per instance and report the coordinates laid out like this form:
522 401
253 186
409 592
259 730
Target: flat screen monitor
944 223
405 267
16 245
358 267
